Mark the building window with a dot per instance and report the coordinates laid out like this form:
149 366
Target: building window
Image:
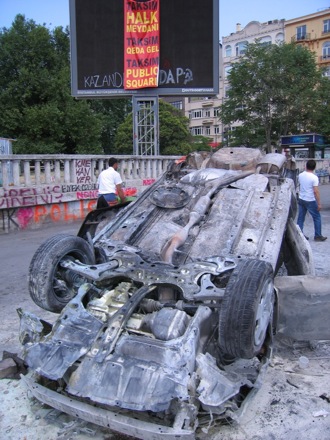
216 112
326 50
265 40
226 91
227 70
228 51
217 129
196 131
207 130
240 48
301 32
279 38
207 113
326 72
326 26
177 104
195 114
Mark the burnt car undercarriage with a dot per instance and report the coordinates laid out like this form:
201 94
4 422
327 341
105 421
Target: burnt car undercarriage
167 304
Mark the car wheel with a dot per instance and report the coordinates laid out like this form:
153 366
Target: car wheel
51 287
247 309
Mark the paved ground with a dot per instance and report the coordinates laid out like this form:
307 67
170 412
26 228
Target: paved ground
293 404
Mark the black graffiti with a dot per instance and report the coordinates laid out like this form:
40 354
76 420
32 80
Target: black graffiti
7 217
75 188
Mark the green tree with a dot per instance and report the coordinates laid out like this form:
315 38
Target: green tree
272 93
201 143
322 111
37 108
174 135
112 113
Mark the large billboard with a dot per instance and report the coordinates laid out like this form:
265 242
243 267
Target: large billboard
113 41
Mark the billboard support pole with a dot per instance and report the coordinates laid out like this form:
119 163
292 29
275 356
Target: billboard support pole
145 125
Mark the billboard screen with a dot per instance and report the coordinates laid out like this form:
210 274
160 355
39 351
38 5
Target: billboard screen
302 139
185 45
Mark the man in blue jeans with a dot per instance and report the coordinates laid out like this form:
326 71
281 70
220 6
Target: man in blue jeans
110 184
309 199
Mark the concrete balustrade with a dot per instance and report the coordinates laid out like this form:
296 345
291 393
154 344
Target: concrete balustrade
27 170
36 189
34 170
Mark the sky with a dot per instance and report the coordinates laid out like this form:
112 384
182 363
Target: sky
56 12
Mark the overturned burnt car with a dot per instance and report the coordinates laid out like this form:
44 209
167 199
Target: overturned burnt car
167 304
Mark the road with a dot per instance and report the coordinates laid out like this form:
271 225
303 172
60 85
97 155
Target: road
288 406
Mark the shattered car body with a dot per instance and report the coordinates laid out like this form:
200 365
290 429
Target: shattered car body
167 304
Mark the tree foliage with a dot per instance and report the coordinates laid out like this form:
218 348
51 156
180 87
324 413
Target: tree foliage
272 93
174 135
112 113
322 111
37 109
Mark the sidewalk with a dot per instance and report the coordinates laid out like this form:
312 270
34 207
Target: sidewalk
321 250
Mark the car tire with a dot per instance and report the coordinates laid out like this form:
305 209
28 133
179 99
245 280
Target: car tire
293 207
247 309
47 286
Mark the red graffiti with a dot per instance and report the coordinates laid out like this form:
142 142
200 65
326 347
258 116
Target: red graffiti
40 212
63 212
130 192
33 191
24 216
87 194
55 213
147 182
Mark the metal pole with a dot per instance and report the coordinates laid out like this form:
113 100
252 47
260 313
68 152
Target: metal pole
145 126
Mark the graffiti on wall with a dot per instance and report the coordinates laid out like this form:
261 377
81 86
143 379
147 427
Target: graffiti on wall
20 207
21 218
83 171
17 197
147 182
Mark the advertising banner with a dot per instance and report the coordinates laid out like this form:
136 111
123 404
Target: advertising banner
122 48
141 44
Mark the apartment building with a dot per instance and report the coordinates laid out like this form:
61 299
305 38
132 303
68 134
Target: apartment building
312 31
203 112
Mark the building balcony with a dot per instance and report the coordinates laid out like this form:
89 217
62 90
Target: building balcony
207 103
207 121
300 38
324 58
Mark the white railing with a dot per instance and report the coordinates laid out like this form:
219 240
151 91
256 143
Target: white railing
40 189
36 170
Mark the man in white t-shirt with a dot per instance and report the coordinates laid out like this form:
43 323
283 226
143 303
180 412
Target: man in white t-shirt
309 199
109 183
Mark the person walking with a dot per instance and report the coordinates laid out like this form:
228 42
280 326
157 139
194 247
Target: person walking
110 184
309 199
